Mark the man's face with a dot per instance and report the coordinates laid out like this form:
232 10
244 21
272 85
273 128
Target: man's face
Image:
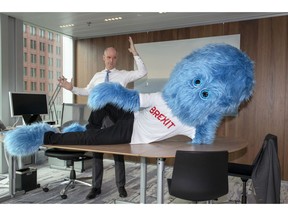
110 58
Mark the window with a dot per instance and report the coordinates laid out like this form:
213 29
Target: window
33 58
50 48
50 36
42 33
32 30
42 87
42 60
25 71
58 50
25 57
33 86
33 72
25 85
50 61
42 73
50 74
24 28
42 46
25 42
58 74
58 38
43 42
58 63
33 44
50 87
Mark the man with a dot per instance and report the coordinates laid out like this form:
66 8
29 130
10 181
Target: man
109 74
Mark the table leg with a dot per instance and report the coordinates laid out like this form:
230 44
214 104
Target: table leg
143 180
12 176
12 179
160 179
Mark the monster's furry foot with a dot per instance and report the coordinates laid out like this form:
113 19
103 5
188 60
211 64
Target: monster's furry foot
26 140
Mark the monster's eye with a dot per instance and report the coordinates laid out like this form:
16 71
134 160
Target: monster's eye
196 82
204 94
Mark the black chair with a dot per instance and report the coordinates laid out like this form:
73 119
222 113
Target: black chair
70 157
71 113
199 176
264 173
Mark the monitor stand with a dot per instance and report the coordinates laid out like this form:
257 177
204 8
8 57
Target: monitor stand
30 119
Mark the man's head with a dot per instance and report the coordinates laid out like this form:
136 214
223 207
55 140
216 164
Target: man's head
110 58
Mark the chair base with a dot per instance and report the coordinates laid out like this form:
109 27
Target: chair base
69 183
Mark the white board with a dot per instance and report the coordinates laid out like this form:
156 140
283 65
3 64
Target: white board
161 57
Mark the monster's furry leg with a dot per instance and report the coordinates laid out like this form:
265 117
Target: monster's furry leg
26 140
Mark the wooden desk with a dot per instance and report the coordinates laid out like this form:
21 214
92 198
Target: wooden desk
160 151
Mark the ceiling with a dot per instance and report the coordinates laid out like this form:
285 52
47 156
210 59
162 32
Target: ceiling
92 24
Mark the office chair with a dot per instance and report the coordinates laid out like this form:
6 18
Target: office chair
264 172
72 113
76 113
70 157
199 176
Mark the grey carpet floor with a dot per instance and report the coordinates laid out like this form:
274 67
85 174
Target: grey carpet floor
109 194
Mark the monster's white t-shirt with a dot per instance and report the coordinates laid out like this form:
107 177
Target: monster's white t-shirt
156 121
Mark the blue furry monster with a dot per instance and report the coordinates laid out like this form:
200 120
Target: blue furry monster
204 86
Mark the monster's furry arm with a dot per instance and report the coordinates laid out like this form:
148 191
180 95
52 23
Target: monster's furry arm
113 93
205 133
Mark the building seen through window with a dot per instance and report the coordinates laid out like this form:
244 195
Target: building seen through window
43 64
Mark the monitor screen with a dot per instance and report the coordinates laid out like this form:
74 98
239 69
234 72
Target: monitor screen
28 105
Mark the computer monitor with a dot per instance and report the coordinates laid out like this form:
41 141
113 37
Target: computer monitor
28 105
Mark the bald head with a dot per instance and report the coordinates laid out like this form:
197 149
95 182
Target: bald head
110 58
110 50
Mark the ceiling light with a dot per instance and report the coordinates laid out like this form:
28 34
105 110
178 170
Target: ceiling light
113 19
66 26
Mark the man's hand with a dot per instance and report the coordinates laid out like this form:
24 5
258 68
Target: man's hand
64 83
132 48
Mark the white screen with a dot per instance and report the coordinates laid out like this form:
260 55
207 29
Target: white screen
161 57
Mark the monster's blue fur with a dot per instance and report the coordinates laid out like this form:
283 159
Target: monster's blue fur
26 140
74 127
226 73
114 93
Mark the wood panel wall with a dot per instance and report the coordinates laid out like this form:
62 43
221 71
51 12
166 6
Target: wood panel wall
264 40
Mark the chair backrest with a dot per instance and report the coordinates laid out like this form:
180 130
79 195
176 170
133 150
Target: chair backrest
72 113
266 174
200 176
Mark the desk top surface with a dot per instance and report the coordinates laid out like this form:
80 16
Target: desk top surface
163 149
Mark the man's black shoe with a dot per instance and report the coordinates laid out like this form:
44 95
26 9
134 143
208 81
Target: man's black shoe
93 193
122 192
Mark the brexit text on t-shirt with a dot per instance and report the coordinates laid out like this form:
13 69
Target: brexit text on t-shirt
161 117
